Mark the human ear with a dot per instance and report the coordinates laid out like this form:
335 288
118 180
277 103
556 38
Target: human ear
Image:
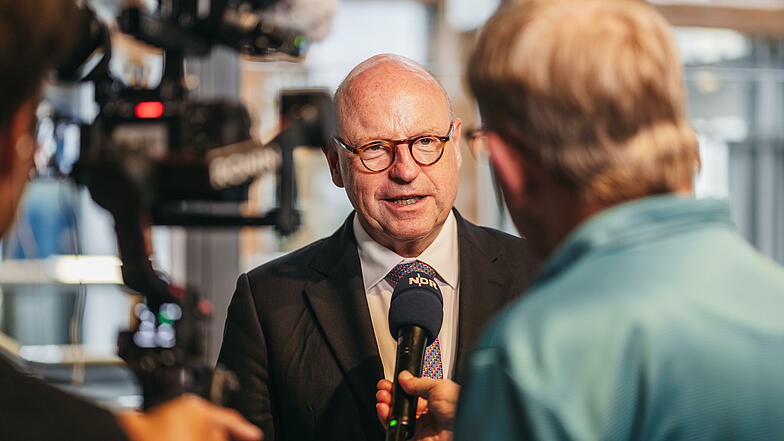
16 153
333 159
16 142
456 140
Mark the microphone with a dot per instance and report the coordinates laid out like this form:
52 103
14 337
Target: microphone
415 315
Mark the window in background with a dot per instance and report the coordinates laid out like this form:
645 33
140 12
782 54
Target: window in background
735 89
712 107
735 86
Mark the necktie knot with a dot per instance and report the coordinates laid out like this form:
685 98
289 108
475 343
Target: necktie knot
401 269
431 365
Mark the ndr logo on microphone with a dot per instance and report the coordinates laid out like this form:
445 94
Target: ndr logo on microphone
419 281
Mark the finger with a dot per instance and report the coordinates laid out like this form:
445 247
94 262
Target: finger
385 385
236 425
383 397
420 387
421 406
382 410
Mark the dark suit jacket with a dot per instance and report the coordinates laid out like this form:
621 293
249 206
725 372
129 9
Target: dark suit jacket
300 338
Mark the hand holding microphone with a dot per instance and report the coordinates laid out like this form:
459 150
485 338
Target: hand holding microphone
436 408
415 316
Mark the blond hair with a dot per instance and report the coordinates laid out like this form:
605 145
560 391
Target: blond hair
591 89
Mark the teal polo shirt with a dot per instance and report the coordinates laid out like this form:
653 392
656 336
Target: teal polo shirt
653 320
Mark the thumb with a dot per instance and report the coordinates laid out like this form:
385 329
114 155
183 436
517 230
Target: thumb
412 385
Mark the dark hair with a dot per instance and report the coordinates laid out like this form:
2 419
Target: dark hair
32 40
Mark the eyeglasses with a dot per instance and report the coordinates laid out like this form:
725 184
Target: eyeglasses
379 155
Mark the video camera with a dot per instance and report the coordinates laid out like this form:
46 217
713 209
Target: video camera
173 150
156 156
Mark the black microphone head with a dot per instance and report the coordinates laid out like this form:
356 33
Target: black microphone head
416 301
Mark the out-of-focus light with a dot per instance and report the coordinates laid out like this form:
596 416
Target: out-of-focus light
149 109
88 270
169 313
165 337
144 339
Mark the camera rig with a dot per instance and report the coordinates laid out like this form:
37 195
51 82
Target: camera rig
156 157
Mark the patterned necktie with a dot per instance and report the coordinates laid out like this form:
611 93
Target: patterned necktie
431 366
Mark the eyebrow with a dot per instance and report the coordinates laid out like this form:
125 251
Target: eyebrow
428 132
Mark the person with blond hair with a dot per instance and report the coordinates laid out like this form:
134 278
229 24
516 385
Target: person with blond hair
650 318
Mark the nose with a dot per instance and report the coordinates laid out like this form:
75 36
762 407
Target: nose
404 168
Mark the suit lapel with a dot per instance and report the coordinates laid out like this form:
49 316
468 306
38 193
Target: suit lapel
484 287
340 306
341 310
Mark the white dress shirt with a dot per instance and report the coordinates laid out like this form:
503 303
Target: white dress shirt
377 261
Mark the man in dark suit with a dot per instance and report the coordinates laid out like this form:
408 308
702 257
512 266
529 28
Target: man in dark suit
308 333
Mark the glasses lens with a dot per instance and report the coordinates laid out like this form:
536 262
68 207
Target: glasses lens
478 141
376 156
427 149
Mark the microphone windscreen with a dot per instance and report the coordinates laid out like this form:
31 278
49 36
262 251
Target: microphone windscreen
417 301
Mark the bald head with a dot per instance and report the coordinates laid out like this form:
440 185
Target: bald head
385 78
392 98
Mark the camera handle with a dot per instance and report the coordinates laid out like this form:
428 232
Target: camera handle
164 370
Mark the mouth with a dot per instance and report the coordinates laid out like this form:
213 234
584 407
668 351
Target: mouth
405 200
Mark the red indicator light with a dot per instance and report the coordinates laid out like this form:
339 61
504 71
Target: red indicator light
149 109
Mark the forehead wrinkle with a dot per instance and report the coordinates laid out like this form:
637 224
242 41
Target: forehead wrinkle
395 113
380 92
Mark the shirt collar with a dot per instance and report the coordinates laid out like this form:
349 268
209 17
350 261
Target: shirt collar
639 221
377 261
